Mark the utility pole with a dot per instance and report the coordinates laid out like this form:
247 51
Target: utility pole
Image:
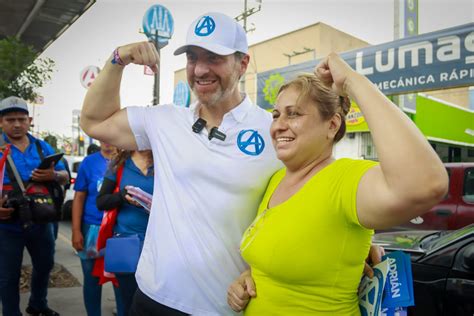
243 17
158 26
156 86
248 12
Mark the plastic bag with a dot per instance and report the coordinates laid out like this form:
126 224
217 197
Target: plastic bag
90 243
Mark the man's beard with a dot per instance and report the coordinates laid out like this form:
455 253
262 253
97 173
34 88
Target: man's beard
210 99
213 98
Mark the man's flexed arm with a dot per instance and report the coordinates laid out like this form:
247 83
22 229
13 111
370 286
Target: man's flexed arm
101 116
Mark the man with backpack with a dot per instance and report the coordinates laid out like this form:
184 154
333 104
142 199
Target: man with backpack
25 218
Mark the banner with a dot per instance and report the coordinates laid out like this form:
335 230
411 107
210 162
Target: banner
438 60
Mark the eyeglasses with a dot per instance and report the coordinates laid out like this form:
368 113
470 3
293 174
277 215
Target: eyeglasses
252 231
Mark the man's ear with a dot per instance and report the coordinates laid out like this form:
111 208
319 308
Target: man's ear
244 63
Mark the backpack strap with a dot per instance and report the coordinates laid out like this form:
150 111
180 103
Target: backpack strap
39 149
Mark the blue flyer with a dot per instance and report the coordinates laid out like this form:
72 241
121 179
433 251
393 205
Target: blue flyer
398 290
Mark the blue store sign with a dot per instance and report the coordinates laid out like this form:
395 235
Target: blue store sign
431 61
158 21
182 94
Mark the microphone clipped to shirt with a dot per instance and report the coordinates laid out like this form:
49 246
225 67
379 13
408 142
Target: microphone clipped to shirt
199 125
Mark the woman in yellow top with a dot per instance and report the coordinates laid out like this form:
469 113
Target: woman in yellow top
307 245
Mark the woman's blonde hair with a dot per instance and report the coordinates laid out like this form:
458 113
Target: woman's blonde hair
311 88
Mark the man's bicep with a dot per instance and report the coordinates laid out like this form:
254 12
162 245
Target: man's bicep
115 131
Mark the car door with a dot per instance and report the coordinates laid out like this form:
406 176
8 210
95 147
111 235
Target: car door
442 216
429 283
430 275
465 210
460 282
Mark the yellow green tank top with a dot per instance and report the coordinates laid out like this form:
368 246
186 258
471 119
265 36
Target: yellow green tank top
307 254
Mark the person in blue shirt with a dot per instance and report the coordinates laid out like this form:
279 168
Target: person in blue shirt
86 218
15 235
132 219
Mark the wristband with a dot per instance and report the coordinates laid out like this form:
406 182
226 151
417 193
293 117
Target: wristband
116 58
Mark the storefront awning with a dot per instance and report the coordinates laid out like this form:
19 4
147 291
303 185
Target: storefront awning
39 22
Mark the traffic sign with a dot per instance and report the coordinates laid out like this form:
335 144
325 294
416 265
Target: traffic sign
88 75
182 94
158 21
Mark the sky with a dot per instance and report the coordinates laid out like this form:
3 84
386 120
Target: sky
112 23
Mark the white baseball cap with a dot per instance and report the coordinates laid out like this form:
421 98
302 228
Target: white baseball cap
216 32
11 104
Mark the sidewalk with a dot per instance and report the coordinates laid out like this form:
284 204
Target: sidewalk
69 301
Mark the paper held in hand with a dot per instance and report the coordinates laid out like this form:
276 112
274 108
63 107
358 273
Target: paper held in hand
390 291
141 197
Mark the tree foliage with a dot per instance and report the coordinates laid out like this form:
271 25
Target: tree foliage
20 73
52 140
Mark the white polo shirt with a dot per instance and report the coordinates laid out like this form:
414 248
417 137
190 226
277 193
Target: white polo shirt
206 194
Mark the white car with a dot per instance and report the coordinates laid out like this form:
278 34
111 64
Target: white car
73 163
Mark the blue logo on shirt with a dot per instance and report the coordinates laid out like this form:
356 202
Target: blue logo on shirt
205 26
99 184
250 142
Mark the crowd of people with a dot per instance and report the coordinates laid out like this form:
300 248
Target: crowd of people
257 217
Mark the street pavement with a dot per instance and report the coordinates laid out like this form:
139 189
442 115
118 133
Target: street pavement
69 301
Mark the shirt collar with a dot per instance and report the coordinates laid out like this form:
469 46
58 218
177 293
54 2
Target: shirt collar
240 111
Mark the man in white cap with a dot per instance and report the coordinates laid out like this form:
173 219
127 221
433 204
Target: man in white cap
15 235
212 164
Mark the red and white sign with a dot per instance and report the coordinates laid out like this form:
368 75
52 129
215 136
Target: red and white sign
88 75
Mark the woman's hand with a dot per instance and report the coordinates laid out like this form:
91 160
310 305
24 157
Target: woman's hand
77 241
334 72
241 291
131 201
376 253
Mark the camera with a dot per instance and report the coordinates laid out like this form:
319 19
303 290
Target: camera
21 205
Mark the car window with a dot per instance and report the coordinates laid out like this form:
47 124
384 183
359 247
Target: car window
468 191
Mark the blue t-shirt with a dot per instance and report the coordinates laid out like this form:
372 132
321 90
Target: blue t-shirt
89 179
132 219
25 162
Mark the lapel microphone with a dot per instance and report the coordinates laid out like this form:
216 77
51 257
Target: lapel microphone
199 125
216 134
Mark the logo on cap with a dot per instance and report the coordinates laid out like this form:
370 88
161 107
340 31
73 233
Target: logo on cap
205 26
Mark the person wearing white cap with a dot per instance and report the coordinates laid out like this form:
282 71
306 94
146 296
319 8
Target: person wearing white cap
16 230
213 161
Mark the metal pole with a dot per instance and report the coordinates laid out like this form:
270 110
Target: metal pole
156 87
245 16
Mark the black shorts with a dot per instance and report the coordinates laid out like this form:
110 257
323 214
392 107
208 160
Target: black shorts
144 306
